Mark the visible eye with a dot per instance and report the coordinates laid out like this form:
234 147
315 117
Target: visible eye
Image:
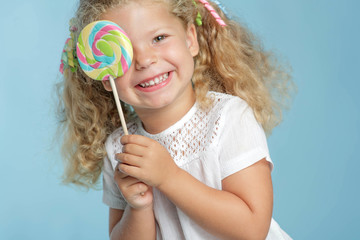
159 38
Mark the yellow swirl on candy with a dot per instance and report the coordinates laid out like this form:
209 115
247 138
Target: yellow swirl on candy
104 50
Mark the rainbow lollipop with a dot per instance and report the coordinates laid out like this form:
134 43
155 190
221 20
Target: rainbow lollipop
105 52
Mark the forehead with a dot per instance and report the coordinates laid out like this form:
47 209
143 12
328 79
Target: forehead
142 16
144 3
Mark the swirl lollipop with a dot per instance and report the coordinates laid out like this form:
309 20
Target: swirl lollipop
105 52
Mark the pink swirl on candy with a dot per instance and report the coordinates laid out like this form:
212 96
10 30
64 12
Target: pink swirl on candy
213 12
104 50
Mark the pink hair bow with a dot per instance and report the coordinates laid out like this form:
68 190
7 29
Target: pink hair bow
213 12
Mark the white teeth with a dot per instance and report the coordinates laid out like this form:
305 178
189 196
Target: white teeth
155 81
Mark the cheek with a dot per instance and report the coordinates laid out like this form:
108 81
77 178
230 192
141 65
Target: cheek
180 57
122 83
170 53
176 49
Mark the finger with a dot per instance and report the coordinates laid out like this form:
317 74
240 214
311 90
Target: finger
118 173
127 182
129 159
135 139
130 170
130 187
134 149
130 181
137 189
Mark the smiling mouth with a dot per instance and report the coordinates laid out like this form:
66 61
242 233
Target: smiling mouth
156 81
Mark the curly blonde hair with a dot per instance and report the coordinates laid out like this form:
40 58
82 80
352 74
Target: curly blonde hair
231 60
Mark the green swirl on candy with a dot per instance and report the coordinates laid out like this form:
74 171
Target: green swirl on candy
104 50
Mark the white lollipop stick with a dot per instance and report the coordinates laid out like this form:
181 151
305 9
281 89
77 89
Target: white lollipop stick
118 105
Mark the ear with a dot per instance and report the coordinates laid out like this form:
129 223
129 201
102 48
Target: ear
107 85
191 40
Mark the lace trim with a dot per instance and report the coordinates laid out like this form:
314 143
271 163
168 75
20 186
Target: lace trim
190 137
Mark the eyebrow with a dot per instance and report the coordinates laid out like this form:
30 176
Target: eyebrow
159 28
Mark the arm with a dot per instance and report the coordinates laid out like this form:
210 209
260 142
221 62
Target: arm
241 210
132 224
137 221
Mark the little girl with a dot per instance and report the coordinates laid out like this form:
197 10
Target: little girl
198 96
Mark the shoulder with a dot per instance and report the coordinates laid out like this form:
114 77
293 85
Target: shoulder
225 112
234 117
221 100
241 139
226 104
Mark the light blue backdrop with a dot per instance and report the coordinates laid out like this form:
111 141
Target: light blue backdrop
315 149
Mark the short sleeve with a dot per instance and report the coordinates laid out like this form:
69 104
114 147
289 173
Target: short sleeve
242 141
112 196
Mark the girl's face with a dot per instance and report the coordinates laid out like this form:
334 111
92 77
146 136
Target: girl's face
163 65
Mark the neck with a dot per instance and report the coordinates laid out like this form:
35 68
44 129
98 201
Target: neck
158 120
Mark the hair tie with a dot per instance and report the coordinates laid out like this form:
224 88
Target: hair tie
68 56
213 12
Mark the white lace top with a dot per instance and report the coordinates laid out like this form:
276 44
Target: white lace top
210 145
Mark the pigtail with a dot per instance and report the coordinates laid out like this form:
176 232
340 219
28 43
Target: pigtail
87 113
231 60
83 119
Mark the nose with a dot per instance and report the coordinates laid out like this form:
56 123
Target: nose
144 58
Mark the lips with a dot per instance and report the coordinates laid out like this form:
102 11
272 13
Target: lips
155 83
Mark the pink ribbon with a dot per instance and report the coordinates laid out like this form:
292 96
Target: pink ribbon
213 12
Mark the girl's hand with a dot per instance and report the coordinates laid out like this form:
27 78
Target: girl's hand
137 194
146 159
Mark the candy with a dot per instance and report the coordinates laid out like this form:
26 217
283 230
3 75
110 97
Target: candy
104 50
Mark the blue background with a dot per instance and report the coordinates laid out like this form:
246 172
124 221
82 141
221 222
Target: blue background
315 149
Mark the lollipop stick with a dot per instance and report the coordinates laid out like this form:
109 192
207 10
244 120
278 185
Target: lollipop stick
116 96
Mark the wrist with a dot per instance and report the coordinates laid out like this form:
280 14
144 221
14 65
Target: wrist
142 209
171 180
